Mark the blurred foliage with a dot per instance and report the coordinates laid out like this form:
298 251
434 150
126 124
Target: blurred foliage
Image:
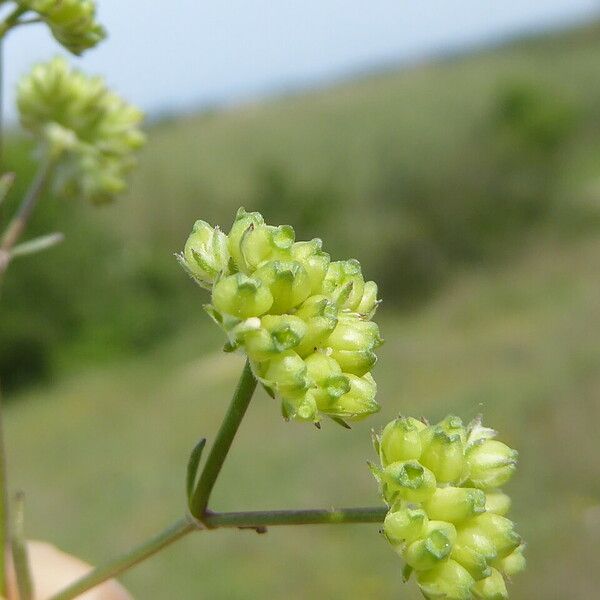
419 174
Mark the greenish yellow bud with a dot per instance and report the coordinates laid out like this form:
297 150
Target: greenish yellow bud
359 402
288 282
327 376
314 260
474 551
443 454
453 426
277 333
447 580
352 343
243 221
286 373
260 243
491 464
400 440
405 525
497 502
435 546
320 315
492 587
241 296
368 303
300 406
500 531
409 480
513 564
455 504
72 22
205 254
344 284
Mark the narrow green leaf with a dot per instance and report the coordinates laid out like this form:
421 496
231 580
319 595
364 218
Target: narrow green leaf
37 245
192 467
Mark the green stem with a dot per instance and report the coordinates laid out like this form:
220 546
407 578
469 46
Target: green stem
246 520
218 452
11 20
3 510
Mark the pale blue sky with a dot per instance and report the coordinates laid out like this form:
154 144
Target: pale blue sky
188 53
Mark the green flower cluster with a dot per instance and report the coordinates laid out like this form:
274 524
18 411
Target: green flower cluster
90 133
447 515
303 321
72 22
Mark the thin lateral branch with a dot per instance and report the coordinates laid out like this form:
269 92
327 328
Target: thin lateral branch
36 245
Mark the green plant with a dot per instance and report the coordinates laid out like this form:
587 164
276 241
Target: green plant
303 322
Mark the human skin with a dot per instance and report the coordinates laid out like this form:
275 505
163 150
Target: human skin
52 570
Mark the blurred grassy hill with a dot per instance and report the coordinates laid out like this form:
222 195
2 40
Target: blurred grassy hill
102 454
419 173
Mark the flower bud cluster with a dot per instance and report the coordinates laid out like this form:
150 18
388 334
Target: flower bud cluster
303 321
447 516
90 132
72 22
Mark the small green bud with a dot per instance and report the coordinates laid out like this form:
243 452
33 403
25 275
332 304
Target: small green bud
243 221
344 284
241 296
497 502
277 333
352 343
330 382
314 260
455 504
435 546
205 254
400 440
491 464
443 454
447 580
286 373
513 564
300 406
359 402
453 426
474 551
500 531
405 525
288 282
409 480
320 315
492 587
368 303
260 243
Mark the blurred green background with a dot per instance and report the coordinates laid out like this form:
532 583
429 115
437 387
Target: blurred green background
468 187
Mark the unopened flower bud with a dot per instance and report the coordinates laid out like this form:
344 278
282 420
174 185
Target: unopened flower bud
359 402
205 254
260 243
474 551
497 502
513 564
455 504
453 426
241 296
409 480
328 378
435 546
400 440
277 333
352 343
344 283
286 373
492 587
300 406
443 454
368 303
314 261
405 525
320 315
446 580
288 282
491 464
500 530
243 221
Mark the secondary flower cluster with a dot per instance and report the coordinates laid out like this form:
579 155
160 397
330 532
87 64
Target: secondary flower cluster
303 321
72 22
90 132
447 516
